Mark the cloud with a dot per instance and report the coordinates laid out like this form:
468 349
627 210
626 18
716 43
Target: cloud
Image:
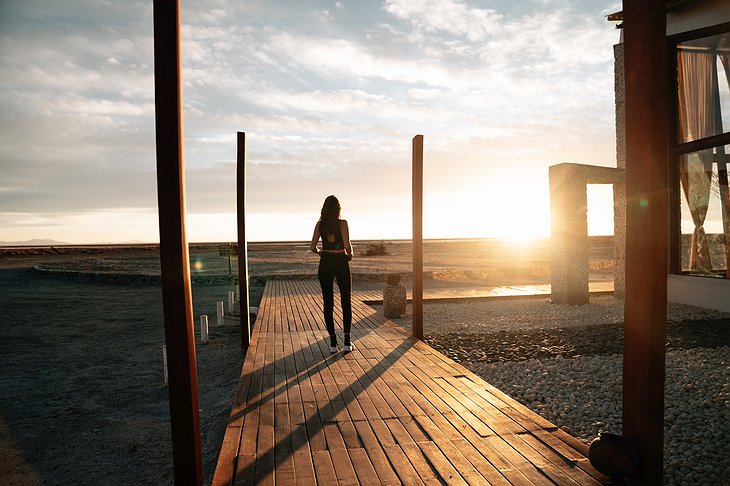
329 94
449 16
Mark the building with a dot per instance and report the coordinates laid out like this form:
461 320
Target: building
698 80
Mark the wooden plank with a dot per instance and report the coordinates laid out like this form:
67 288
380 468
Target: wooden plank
499 450
349 435
344 469
264 473
443 466
283 450
325 470
246 462
404 467
558 461
226 467
491 473
303 465
363 467
382 466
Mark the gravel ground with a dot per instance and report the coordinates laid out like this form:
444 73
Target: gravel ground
565 363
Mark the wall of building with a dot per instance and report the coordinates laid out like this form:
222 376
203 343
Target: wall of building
704 292
710 293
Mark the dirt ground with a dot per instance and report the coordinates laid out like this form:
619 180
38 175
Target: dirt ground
83 395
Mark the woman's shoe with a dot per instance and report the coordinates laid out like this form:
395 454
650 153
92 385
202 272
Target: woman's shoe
348 344
333 349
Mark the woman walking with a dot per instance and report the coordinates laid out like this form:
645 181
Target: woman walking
335 255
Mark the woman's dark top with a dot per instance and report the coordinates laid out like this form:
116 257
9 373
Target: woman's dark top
338 244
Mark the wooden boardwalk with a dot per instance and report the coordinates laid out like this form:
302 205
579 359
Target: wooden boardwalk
393 411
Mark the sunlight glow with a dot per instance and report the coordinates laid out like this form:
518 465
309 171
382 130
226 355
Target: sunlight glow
600 209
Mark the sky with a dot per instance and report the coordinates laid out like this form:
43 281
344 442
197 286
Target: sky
329 94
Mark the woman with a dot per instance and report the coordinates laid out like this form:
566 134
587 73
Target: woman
335 255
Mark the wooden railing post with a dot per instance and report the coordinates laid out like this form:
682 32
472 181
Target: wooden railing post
174 260
242 246
647 233
417 300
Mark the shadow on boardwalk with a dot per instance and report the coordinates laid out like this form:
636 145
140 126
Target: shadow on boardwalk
392 411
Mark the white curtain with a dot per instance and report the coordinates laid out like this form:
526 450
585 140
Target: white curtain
723 175
696 82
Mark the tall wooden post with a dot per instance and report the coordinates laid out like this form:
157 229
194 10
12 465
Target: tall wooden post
417 301
242 246
647 200
174 260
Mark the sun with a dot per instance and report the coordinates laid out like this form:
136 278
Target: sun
517 213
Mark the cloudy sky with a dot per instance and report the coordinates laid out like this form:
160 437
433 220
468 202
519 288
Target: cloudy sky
329 93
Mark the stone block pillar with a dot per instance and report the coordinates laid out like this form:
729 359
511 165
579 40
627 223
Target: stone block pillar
569 265
619 239
569 234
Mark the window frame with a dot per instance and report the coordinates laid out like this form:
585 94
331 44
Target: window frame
676 150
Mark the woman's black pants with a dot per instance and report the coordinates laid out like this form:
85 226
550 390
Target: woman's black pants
335 266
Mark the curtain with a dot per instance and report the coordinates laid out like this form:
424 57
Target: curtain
723 176
696 81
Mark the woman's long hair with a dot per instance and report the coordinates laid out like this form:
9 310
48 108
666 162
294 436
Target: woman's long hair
330 216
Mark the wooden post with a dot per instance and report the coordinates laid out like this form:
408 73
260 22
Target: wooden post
647 196
417 301
242 247
174 259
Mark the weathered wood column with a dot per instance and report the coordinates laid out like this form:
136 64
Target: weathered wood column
242 246
174 260
417 190
647 199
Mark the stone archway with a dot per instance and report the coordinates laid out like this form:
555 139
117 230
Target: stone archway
569 266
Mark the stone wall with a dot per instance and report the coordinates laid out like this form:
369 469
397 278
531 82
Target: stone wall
619 189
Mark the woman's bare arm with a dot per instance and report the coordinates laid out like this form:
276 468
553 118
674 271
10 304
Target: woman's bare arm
345 229
315 239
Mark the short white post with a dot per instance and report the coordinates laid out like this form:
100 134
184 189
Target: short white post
164 361
220 312
238 293
231 300
204 329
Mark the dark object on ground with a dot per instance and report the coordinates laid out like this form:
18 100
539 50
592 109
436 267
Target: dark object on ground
394 298
614 455
376 249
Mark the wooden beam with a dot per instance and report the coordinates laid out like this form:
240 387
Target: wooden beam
174 259
242 246
417 300
647 197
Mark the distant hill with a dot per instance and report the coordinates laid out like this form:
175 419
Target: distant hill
33 242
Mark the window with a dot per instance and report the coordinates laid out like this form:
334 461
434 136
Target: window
701 154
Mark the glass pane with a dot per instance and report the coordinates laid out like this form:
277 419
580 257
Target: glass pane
703 84
705 223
